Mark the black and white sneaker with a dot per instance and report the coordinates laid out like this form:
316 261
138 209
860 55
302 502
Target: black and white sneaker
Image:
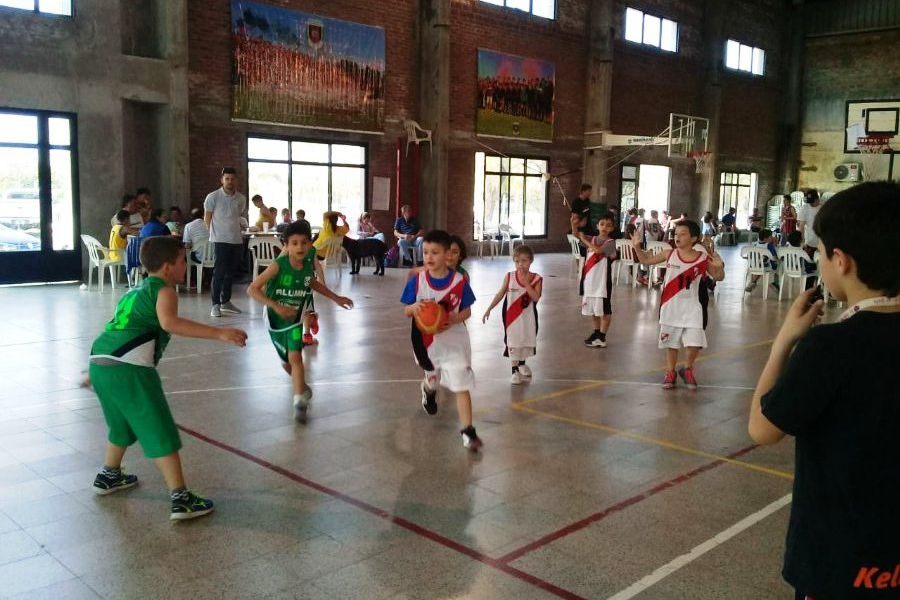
429 400
471 439
188 505
109 483
301 405
595 341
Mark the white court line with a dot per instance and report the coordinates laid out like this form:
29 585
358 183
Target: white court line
618 382
698 551
287 384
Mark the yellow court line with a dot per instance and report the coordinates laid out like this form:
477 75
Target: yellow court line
656 442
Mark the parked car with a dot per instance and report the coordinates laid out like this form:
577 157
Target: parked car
21 208
13 240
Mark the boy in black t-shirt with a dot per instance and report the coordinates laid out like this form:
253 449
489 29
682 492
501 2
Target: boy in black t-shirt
833 387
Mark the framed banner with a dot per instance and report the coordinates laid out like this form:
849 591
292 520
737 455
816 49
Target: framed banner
295 68
514 96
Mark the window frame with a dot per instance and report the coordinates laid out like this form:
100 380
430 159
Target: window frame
753 193
662 21
36 10
752 50
530 10
290 162
525 177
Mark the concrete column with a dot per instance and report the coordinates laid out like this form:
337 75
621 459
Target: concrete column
434 109
174 140
598 95
791 133
707 194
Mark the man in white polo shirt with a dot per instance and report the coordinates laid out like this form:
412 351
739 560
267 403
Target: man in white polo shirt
223 210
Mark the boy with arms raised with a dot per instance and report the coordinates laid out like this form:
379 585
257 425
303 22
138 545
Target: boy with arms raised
123 372
833 387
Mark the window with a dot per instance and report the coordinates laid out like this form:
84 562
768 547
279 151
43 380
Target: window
510 191
737 190
314 176
653 31
48 7
744 58
539 8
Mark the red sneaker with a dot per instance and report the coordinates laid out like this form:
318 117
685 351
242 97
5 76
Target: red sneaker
314 323
687 374
669 381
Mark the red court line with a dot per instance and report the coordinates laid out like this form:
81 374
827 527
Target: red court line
599 516
500 565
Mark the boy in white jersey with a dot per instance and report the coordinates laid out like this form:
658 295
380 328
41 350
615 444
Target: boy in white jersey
520 293
446 356
682 309
596 280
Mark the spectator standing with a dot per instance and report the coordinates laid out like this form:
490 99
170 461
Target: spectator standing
409 234
223 210
788 218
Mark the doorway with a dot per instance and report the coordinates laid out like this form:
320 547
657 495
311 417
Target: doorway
644 186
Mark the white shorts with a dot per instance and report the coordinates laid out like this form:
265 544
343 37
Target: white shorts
595 306
520 353
681 337
454 378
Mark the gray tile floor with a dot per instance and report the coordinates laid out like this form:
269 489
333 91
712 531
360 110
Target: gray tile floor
591 480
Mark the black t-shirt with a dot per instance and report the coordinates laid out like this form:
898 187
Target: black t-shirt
838 395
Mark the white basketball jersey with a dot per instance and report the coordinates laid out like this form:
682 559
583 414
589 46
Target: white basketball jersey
520 313
452 345
596 275
684 295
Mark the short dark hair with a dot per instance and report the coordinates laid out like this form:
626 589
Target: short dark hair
142 190
811 195
526 250
296 228
158 251
585 187
123 216
196 213
255 197
157 213
463 253
693 227
794 238
301 212
171 208
607 216
127 199
229 171
765 234
438 236
845 222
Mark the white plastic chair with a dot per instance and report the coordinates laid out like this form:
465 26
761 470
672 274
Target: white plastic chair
206 252
577 263
509 238
627 260
654 248
100 260
792 262
758 264
334 253
415 134
481 237
264 252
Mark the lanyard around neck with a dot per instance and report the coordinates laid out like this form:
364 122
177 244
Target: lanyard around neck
869 303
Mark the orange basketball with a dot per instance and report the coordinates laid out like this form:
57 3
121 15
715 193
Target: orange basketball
431 318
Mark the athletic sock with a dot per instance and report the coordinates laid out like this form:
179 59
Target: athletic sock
179 494
111 472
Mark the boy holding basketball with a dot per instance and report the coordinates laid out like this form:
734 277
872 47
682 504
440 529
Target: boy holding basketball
123 372
285 288
446 355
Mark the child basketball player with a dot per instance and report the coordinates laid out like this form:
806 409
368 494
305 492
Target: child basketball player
284 288
682 309
520 293
123 372
596 280
446 357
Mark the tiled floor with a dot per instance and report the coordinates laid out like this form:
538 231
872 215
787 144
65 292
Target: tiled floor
591 480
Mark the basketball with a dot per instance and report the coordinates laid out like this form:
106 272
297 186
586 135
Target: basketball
431 318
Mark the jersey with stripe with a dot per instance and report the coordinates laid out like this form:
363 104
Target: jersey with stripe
684 294
520 320
596 275
134 335
290 287
451 346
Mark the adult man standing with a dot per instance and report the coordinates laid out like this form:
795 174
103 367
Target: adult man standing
806 216
223 210
409 235
580 219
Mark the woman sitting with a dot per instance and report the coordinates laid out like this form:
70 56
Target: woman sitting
365 228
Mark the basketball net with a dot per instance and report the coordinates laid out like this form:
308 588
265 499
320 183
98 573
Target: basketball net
700 160
870 146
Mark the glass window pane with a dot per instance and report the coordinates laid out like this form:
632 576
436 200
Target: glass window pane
348 191
669 35
56 7
634 25
543 8
269 180
20 202
478 196
310 191
492 164
651 30
732 54
504 165
759 61
629 172
491 203
746 58
63 224
516 204
309 152
744 179
722 176
536 166
347 155
26 4
18 129
518 4
535 206
60 132
517 165
267 149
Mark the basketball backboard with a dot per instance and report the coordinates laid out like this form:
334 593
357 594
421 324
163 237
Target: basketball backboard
688 135
871 117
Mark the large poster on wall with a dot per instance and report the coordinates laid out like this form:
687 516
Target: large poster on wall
296 68
515 96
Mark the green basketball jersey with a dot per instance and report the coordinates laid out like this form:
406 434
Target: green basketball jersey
134 334
291 288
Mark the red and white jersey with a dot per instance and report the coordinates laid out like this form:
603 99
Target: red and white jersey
684 293
520 313
596 275
451 346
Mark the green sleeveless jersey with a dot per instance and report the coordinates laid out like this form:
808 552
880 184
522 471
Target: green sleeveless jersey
291 288
134 334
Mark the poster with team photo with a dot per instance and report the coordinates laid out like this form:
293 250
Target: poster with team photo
296 68
515 96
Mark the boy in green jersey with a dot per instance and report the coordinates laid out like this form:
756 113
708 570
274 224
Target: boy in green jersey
285 288
123 372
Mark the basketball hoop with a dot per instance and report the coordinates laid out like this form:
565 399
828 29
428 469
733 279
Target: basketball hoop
700 159
871 146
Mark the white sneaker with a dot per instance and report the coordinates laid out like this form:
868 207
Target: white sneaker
231 309
525 370
516 378
301 405
216 311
